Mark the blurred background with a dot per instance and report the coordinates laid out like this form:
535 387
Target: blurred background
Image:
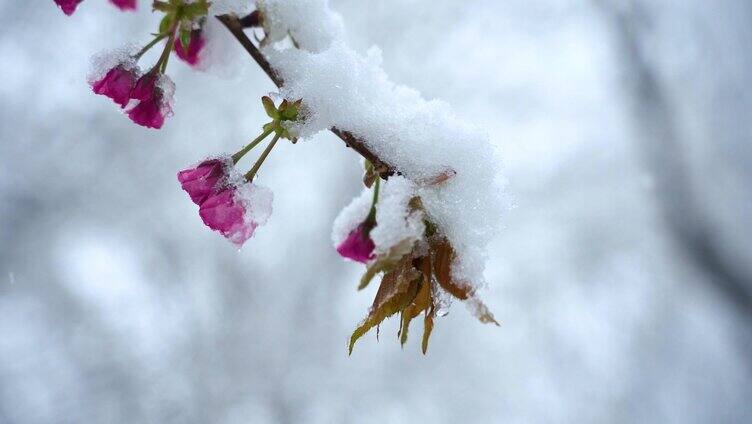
623 277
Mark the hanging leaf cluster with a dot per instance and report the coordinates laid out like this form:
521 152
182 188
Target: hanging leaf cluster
415 274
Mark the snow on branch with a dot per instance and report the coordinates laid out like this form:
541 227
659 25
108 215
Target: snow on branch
433 196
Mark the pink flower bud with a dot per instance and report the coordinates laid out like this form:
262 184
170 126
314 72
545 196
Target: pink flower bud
204 179
191 54
68 6
358 245
116 84
151 100
236 211
145 86
124 4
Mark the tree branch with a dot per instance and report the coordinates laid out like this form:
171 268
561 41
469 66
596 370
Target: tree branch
235 27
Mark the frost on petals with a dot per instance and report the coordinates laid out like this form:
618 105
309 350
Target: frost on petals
124 4
116 84
68 6
114 73
236 211
151 100
227 203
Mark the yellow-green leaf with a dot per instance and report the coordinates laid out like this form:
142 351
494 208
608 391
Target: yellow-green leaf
193 10
397 290
427 328
387 261
166 23
269 107
421 303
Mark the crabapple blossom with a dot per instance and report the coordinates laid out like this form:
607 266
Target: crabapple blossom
358 245
117 84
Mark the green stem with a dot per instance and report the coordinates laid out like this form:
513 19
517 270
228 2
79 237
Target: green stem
372 213
161 64
168 50
252 173
151 44
239 155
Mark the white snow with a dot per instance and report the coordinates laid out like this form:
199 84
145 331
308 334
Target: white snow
165 84
257 201
422 139
394 220
219 56
310 22
102 62
351 216
238 7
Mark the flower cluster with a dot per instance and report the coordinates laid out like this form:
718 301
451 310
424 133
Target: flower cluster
387 228
227 203
230 203
146 97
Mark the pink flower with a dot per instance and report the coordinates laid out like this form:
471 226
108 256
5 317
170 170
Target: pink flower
190 54
151 100
116 84
358 245
224 212
68 6
124 4
204 179
236 211
145 86
148 113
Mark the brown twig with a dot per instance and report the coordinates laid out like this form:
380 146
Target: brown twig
235 27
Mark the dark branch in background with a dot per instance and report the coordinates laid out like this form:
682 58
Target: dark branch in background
236 26
663 153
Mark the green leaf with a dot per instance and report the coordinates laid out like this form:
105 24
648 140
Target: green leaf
289 111
269 127
192 11
269 107
166 23
283 132
185 39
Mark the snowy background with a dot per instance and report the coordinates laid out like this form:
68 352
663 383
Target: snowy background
623 278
